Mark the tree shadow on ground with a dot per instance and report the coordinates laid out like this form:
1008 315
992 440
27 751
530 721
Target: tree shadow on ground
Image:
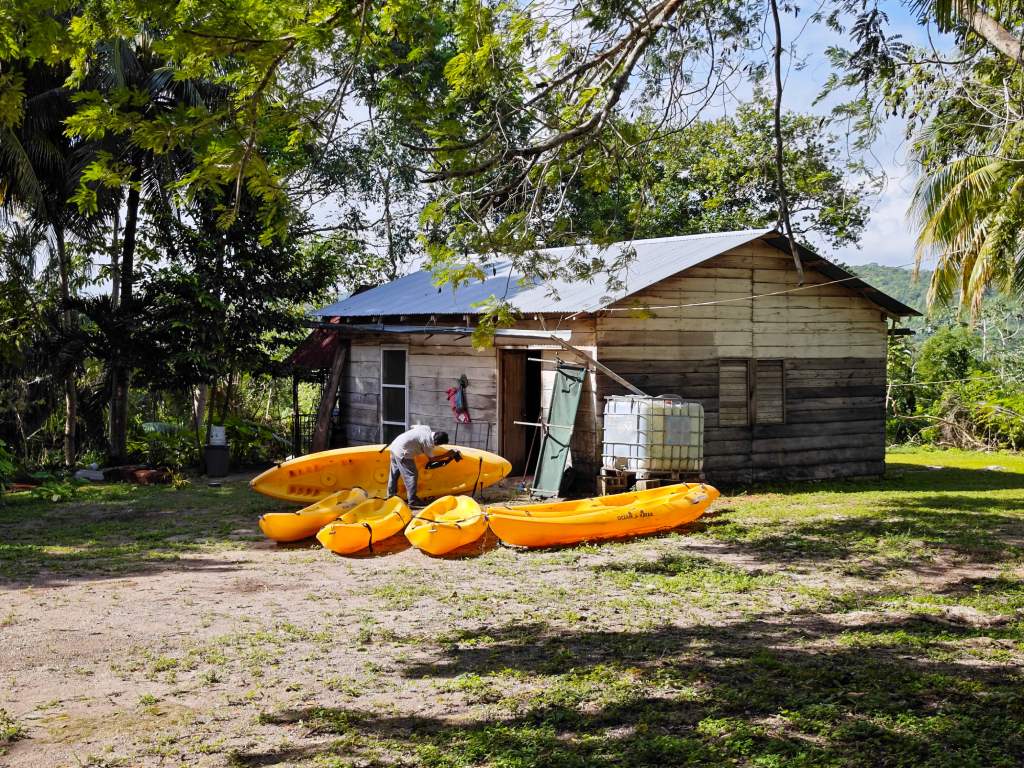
972 534
803 692
123 530
920 513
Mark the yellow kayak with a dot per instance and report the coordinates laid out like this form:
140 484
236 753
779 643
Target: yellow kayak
311 478
373 520
294 526
447 524
602 517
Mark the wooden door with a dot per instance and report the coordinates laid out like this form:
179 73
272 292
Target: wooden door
514 437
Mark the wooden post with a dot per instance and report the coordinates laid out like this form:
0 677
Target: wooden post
296 424
322 432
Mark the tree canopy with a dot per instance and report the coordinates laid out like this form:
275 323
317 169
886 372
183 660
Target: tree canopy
197 164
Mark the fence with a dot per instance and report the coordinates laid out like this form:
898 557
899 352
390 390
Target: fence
303 425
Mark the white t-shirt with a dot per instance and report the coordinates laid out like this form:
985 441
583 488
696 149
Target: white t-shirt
413 442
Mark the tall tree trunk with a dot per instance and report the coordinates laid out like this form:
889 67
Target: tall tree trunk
199 395
121 372
228 391
211 405
784 217
67 320
296 424
115 261
991 31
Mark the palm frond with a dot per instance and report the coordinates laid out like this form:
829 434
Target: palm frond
997 255
21 181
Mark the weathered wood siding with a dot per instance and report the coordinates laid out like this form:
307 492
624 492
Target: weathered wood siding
360 394
832 339
433 365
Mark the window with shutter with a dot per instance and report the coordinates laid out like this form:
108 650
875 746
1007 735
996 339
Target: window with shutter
733 393
770 392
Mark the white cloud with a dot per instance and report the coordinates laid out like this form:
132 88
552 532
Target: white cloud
889 236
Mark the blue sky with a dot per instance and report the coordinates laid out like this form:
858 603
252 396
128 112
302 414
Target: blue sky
889 236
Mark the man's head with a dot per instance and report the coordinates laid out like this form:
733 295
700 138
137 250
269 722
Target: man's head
440 438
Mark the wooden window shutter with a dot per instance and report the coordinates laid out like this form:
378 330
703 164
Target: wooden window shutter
770 392
733 393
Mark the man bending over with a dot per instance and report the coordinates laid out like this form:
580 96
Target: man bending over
404 450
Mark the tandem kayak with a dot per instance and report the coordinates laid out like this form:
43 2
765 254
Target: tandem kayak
312 477
295 526
601 517
446 524
373 520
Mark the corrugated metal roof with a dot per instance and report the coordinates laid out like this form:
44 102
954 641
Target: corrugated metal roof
655 260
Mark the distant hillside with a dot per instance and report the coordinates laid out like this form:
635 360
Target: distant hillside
897 282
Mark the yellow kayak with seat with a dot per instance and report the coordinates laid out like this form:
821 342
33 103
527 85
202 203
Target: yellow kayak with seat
312 477
601 517
446 524
360 527
295 526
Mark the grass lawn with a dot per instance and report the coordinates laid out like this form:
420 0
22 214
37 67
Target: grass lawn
866 623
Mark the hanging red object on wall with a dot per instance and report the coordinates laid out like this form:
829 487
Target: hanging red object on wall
457 398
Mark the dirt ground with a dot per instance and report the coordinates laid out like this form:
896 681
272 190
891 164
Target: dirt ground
193 644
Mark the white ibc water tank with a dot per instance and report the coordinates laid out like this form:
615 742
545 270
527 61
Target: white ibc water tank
653 434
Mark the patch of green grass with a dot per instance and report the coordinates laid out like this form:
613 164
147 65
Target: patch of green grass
475 688
119 528
10 730
698 581
402 593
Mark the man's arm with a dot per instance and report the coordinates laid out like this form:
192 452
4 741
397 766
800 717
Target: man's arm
442 459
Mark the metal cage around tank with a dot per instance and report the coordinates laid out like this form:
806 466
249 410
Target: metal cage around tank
652 435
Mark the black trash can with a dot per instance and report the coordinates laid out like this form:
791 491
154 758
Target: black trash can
217 457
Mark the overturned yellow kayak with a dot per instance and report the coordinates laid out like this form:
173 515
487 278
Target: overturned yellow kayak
310 478
358 528
602 517
446 524
295 526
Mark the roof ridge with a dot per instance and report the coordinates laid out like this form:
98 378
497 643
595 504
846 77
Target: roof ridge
676 238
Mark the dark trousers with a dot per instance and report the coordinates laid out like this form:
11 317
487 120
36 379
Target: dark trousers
406 469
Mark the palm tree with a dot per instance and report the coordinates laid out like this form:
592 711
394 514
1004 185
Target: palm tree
971 214
969 201
39 170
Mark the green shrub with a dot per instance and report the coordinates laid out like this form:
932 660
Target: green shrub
173 449
994 413
55 489
254 443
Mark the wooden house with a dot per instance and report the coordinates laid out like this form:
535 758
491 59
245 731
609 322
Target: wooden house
792 377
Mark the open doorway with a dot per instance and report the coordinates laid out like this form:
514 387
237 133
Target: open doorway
519 384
